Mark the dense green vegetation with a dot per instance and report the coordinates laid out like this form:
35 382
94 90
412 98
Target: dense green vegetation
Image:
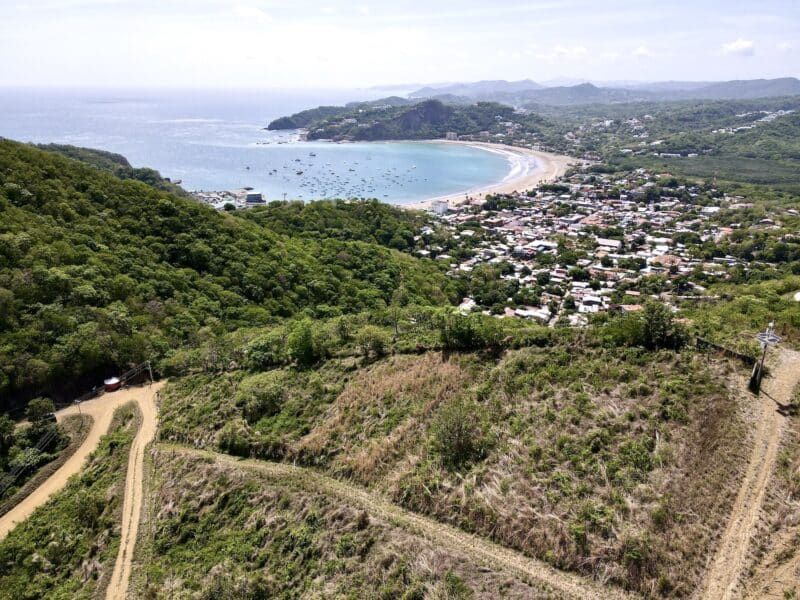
767 154
97 273
66 549
307 333
19 451
116 164
367 221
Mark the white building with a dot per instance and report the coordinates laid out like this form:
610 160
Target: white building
440 207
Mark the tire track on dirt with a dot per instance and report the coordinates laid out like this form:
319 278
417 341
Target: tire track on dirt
101 410
723 576
562 584
134 495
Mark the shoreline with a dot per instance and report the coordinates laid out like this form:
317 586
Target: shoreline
535 167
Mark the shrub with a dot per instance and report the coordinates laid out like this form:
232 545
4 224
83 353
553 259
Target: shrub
456 588
458 434
639 558
266 351
261 395
468 332
625 330
372 341
234 439
654 329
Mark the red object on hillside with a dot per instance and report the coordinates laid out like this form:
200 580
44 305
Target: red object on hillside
112 384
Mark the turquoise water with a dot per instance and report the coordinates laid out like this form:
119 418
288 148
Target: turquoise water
217 141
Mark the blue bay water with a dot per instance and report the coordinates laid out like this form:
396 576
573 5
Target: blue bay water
217 141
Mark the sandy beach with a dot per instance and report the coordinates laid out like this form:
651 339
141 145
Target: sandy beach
528 169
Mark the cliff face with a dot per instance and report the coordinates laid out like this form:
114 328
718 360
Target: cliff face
429 113
425 120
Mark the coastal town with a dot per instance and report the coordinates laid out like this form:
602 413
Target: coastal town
585 244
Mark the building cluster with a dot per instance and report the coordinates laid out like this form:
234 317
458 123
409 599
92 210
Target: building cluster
618 232
243 198
764 116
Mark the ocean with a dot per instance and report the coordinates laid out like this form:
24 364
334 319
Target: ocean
215 141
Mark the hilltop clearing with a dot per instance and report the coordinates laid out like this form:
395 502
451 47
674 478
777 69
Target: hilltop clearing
618 463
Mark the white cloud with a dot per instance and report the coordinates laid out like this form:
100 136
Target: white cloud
252 13
785 47
561 51
643 51
739 46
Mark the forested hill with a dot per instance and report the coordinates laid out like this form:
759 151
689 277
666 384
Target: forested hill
425 120
97 272
367 221
117 165
312 116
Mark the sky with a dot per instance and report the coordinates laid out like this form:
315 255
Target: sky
362 43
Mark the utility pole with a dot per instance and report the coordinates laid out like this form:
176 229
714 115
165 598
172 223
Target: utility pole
767 338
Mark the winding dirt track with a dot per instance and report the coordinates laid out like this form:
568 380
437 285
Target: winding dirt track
101 410
723 577
563 585
134 495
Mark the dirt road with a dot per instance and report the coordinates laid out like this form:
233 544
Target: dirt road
722 578
563 585
101 410
778 577
134 493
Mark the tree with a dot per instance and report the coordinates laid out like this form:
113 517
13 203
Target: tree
304 345
6 434
659 329
39 408
399 300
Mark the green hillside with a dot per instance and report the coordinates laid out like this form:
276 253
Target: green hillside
97 272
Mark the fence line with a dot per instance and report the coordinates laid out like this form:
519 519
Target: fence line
704 343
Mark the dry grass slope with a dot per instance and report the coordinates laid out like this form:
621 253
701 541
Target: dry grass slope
619 464
221 527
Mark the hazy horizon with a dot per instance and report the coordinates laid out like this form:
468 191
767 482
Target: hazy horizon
272 44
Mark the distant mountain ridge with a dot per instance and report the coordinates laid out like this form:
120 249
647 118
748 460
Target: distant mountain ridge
488 87
526 92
